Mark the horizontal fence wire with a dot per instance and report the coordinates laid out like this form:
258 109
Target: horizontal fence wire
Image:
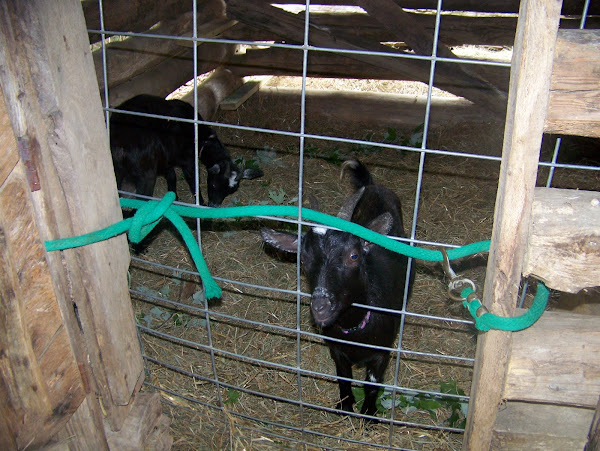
273 433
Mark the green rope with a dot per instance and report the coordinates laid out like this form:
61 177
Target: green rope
149 213
489 321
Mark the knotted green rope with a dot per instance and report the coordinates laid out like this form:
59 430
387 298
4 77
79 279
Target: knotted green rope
150 212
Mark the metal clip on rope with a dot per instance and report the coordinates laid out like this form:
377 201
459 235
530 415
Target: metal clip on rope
457 284
464 289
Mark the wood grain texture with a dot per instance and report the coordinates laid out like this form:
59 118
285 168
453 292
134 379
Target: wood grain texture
556 361
291 28
575 90
39 373
563 248
527 105
50 86
539 427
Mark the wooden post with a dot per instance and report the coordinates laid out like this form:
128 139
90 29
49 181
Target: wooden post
50 88
527 106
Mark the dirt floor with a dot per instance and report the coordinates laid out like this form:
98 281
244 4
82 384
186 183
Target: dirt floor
456 206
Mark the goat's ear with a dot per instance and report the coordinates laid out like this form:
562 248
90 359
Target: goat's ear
214 169
250 174
381 224
282 241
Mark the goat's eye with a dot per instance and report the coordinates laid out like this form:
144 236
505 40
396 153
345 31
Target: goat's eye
353 257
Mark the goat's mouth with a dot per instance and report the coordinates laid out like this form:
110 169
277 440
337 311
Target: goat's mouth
324 313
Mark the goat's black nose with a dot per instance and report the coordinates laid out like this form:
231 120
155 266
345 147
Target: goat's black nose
320 306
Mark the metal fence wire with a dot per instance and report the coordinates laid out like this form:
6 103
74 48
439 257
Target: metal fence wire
251 371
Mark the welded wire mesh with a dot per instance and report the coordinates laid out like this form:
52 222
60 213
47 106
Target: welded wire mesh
284 418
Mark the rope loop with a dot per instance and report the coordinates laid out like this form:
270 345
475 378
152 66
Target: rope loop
148 216
484 320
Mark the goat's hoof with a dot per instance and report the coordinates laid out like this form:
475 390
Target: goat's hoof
345 405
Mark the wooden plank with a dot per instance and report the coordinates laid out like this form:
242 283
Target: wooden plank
84 430
527 105
8 147
556 361
564 239
171 73
38 369
135 55
240 95
575 90
495 6
144 415
58 121
420 40
211 29
281 62
212 90
291 27
35 346
455 29
524 426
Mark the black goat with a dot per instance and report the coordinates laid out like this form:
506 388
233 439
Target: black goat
143 148
342 269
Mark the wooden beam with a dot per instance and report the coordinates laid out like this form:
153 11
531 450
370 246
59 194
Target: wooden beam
527 106
565 371
290 27
455 29
563 248
420 39
125 15
171 73
135 55
540 427
50 89
494 6
211 91
239 96
40 377
575 90
281 62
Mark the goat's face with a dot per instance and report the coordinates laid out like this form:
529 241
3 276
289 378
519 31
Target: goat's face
224 177
335 266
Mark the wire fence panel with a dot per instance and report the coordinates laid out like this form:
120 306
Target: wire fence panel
252 370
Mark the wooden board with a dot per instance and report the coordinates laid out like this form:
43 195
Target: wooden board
527 105
210 29
38 371
524 426
575 90
291 28
49 83
556 361
563 248
240 95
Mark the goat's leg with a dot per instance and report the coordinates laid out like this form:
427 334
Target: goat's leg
375 370
343 368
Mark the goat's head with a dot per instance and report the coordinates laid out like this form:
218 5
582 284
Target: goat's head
224 177
335 263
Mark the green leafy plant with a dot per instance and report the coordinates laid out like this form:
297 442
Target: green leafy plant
277 196
410 402
232 396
